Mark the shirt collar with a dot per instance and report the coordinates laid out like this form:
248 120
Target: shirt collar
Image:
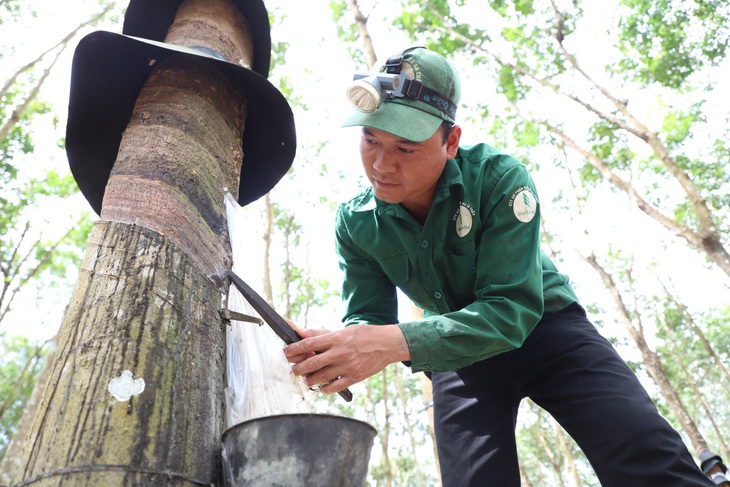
451 181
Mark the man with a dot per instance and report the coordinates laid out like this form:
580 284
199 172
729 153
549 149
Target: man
457 229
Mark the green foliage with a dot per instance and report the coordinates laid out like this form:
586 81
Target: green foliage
30 252
20 362
18 141
666 41
9 11
509 84
609 144
524 7
423 23
711 175
300 288
527 133
27 255
716 178
677 127
403 412
347 30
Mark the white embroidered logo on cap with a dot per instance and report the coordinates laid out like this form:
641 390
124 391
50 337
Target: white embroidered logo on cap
464 219
524 204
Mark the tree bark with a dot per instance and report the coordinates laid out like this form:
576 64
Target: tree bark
166 177
182 149
141 306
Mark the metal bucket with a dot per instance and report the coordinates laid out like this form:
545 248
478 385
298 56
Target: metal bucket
307 450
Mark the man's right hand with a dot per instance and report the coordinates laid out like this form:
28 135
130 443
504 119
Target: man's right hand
304 333
344 357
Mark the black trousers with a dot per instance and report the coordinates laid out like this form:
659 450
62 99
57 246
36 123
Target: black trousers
570 370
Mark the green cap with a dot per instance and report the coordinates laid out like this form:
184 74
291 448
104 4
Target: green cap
410 118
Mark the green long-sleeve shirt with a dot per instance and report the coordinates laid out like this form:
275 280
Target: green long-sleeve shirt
475 265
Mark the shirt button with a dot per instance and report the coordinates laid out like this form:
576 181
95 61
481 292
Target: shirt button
437 295
424 243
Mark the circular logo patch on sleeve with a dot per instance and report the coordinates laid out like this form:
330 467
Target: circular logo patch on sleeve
524 204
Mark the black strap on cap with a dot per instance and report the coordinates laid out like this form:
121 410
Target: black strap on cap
418 91
394 64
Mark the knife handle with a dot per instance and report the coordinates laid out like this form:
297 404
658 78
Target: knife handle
346 394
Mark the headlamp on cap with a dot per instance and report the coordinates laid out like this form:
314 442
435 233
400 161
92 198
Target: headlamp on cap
369 90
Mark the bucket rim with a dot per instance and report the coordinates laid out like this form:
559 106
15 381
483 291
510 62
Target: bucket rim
273 417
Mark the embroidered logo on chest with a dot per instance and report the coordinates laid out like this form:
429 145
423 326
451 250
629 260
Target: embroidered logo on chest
524 204
464 218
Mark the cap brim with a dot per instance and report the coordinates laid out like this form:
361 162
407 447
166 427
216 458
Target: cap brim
151 19
108 73
397 119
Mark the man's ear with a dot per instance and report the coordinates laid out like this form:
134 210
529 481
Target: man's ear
452 142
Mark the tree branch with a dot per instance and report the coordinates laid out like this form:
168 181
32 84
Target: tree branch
711 245
361 21
60 46
708 237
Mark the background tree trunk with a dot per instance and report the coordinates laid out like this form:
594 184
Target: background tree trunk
650 359
14 452
412 443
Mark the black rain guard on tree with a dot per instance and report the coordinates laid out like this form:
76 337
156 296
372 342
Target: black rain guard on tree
108 73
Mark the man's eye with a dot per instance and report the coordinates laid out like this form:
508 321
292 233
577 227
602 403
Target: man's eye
405 150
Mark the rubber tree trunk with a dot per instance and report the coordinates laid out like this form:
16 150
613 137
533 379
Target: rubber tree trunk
136 394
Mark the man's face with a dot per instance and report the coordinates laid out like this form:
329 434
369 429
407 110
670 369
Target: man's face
403 171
